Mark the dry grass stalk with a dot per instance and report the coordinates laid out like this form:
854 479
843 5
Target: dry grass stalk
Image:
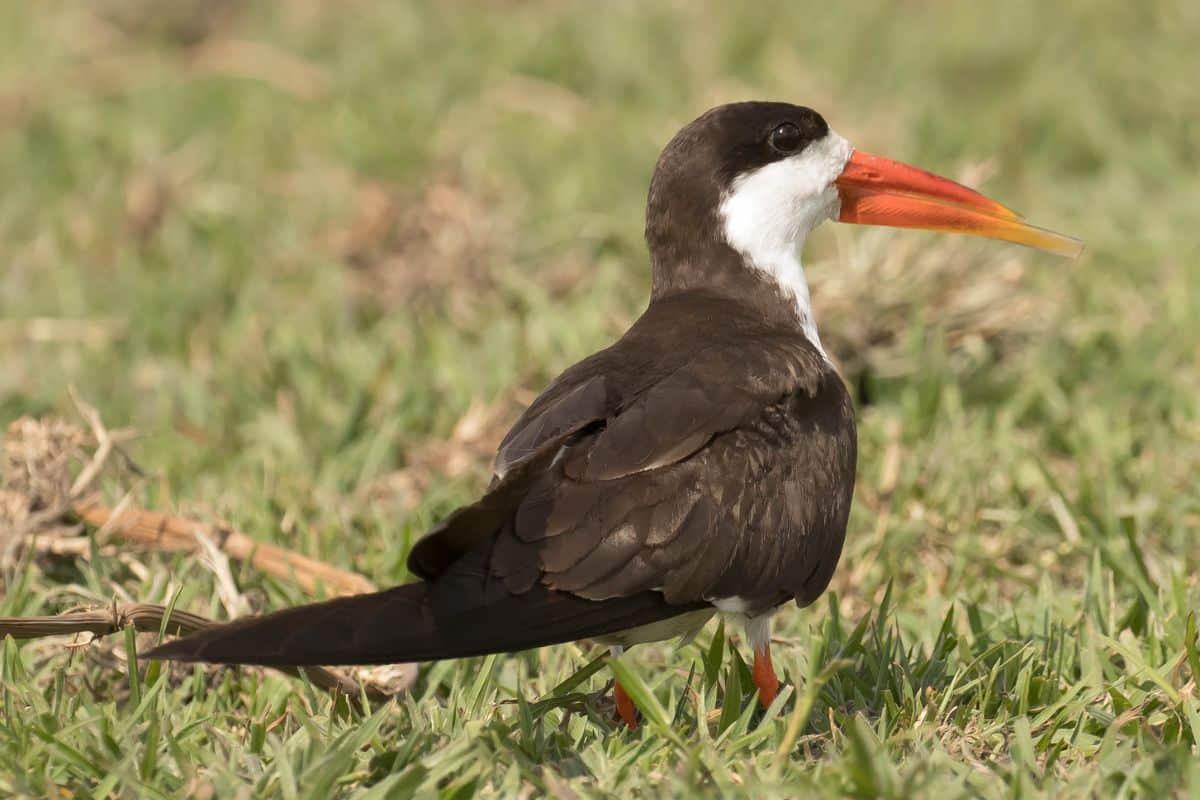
161 531
50 471
40 458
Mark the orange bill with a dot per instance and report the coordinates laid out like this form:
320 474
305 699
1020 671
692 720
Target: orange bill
878 191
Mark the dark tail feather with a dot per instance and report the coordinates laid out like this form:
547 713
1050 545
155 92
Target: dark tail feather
413 623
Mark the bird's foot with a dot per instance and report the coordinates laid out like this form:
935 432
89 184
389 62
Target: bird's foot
764 676
626 710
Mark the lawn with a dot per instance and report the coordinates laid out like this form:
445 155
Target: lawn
318 255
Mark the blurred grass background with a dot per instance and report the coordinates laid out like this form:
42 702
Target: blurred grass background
319 254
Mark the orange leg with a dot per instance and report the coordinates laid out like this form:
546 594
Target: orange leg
626 710
764 676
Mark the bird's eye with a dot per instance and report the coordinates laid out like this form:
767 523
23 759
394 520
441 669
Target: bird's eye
786 138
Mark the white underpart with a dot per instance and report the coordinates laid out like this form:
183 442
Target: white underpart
731 605
769 212
757 629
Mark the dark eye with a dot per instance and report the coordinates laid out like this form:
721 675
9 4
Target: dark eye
786 138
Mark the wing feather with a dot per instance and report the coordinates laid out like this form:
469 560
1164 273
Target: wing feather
701 475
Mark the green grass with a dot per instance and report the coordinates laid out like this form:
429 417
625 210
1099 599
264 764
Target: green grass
1014 614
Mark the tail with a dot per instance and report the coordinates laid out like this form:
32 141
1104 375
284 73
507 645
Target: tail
415 622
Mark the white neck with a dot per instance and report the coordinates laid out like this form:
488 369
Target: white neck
769 212
785 269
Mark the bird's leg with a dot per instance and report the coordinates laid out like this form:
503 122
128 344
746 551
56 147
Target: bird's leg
764 676
626 710
758 631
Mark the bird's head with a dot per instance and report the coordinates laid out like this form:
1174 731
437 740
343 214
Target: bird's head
751 180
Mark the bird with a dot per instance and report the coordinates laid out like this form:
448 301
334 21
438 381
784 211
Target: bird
703 463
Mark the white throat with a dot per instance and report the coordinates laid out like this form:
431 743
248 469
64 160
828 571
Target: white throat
768 213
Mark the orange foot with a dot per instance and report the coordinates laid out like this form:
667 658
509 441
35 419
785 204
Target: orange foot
626 710
764 676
